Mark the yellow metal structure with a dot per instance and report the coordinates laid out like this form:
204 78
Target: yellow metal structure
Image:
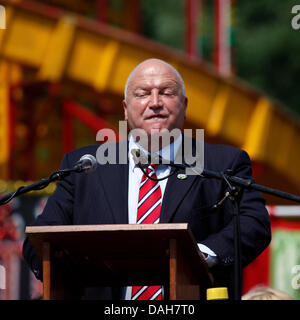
4 114
64 48
56 53
10 73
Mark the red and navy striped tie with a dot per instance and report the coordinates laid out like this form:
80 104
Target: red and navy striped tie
149 206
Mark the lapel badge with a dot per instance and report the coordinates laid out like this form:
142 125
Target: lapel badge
181 176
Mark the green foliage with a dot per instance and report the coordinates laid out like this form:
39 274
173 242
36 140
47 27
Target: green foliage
163 20
267 52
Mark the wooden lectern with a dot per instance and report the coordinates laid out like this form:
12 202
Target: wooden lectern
75 257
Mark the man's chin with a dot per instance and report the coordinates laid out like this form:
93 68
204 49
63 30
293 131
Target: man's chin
158 130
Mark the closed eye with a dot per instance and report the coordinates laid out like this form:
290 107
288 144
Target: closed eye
141 93
168 92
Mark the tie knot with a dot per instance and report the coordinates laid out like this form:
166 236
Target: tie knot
152 167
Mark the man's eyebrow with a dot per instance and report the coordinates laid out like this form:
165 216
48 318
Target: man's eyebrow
140 88
162 86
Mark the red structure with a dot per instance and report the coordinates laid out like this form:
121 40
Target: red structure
222 50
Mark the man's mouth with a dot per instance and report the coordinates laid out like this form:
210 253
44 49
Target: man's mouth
156 116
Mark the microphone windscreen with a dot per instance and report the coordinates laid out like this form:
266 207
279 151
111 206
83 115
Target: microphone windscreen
89 163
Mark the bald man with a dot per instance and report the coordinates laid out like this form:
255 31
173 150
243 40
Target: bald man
155 102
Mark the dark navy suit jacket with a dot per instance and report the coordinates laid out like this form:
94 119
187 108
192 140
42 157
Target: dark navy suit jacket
101 197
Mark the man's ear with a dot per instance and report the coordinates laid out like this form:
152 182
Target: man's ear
124 103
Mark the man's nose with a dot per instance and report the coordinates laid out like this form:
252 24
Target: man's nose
155 99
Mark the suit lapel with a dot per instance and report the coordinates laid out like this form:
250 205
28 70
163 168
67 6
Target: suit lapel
114 178
175 192
177 189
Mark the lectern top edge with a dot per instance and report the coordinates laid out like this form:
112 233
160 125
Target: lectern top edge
106 227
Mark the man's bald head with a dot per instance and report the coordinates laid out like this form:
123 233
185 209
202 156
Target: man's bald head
155 98
147 63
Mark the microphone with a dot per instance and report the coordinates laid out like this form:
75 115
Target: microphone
87 164
140 158
143 160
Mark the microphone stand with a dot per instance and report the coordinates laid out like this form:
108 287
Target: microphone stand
43 183
236 186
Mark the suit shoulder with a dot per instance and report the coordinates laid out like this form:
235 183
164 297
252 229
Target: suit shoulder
221 149
219 155
76 154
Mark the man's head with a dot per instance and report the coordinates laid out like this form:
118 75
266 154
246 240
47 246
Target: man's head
155 97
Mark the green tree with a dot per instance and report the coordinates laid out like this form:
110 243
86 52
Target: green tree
267 49
163 21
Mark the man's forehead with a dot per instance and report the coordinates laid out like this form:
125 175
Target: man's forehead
152 75
152 69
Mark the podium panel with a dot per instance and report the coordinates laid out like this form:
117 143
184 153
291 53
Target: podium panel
81 256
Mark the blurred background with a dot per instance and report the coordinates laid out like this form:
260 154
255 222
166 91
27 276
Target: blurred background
63 67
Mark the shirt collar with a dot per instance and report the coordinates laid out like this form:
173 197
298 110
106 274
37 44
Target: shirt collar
168 152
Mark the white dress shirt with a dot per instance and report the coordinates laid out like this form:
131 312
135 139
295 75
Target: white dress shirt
134 179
